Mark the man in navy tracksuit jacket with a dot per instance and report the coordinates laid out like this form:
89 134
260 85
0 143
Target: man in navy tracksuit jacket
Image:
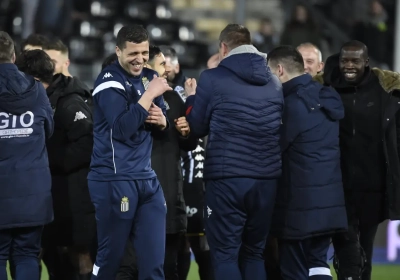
310 204
128 198
26 120
239 105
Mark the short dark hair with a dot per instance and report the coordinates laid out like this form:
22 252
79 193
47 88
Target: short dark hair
169 52
235 35
109 60
134 34
34 40
153 52
354 44
36 63
288 56
57 45
6 48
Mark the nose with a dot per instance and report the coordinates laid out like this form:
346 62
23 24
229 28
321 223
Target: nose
139 58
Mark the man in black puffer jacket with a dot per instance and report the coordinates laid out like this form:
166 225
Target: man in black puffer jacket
369 142
69 151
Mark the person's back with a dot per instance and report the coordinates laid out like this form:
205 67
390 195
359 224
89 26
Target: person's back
245 109
239 105
25 196
306 219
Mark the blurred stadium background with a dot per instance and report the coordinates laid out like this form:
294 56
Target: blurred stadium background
192 28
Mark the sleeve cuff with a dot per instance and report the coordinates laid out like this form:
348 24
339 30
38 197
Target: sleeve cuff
142 110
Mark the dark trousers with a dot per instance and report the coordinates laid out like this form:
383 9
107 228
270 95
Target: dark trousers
305 259
271 255
133 210
201 252
129 270
238 216
23 245
354 250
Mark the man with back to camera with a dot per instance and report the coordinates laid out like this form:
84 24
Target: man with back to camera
305 221
312 57
239 106
26 121
128 198
74 222
34 42
369 142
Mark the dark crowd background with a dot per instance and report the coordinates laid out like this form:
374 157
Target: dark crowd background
192 26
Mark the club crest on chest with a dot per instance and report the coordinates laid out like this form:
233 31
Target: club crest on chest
145 82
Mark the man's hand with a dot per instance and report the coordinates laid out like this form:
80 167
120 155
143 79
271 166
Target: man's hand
158 86
182 126
190 86
156 117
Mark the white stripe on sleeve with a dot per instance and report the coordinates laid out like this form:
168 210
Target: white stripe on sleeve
106 85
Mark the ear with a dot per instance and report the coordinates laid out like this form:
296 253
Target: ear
321 67
224 50
68 63
14 57
177 68
280 70
367 62
118 51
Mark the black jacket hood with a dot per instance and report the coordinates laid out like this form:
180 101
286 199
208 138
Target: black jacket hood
62 86
18 91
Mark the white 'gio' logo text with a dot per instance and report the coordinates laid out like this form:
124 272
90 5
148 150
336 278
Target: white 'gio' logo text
16 126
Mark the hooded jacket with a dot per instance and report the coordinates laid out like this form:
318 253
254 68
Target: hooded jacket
369 202
310 199
26 120
239 106
70 148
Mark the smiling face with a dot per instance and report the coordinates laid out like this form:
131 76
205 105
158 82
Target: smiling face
312 60
158 65
353 61
133 57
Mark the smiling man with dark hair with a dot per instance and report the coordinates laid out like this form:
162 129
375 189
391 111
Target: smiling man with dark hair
129 201
369 142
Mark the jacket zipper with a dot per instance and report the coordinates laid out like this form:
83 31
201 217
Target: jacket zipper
354 133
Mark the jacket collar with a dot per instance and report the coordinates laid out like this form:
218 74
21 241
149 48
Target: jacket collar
8 66
294 83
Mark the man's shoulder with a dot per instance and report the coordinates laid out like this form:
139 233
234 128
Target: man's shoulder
110 77
149 73
110 73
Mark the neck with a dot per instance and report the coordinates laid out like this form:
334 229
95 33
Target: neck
289 77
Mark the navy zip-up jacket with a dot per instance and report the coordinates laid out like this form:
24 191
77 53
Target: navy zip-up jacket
239 105
310 199
26 120
122 140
